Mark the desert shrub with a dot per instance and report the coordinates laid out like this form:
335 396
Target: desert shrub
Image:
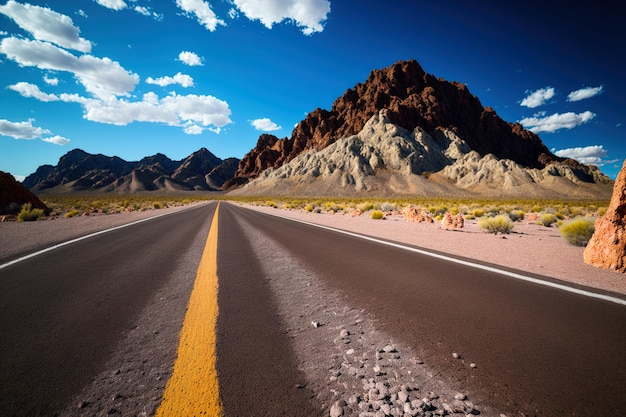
478 213
498 224
28 213
71 214
578 231
386 206
536 208
271 204
156 205
602 211
547 219
378 215
308 208
363 207
517 215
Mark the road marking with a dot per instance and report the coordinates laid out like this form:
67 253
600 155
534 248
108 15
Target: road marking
78 239
193 390
521 277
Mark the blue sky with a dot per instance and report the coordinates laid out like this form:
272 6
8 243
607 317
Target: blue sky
133 78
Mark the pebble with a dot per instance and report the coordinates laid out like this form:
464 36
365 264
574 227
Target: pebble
336 410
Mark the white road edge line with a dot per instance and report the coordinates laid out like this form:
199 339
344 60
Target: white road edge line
78 239
467 263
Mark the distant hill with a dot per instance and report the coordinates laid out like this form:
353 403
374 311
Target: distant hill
405 132
79 171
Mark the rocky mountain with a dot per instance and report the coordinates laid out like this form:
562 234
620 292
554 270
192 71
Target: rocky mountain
432 114
385 160
412 98
14 194
80 171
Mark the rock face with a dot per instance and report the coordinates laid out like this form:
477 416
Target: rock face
80 171
412 98
607 247
386 160
13 195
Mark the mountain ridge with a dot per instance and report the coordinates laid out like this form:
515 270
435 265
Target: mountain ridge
412 98
386 160
79 171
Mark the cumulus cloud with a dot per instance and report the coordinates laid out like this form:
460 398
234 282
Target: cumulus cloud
190 58
100 76
183 79
185 111
202 12
21 130
306 14
265 125
112 4
584 93
31 90
57 140
538 98
589 155
194 113
51 80
46 25
541 123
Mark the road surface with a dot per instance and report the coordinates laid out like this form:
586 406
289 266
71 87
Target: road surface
107 312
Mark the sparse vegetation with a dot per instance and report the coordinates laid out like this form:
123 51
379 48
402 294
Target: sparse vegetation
72 213
378 215
499 224
29 214
578 231
547 219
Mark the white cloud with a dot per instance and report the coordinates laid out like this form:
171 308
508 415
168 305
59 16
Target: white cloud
112 4
21 130
183 79
541 123
190 58
46 25
265 125
186 111
307 14
193 129
57 140
584 93
538 98
31 90
589 155
51 80
100 76
202 11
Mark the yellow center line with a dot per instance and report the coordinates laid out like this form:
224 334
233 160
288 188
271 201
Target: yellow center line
192 390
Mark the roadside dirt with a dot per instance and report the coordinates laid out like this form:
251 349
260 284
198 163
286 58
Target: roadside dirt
529 247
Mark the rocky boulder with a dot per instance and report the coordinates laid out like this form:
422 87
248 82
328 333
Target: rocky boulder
14 194
607 247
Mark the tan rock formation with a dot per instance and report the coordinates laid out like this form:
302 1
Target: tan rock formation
607 247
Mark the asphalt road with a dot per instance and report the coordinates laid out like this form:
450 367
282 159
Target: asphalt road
63 315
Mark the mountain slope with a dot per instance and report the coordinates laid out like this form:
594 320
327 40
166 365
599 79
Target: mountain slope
412 98
386 160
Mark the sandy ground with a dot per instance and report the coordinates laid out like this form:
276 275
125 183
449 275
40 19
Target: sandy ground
529 247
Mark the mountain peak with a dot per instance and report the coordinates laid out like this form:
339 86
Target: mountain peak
412 98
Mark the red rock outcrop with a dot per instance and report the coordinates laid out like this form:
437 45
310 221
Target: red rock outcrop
607 247
13 195
413 98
